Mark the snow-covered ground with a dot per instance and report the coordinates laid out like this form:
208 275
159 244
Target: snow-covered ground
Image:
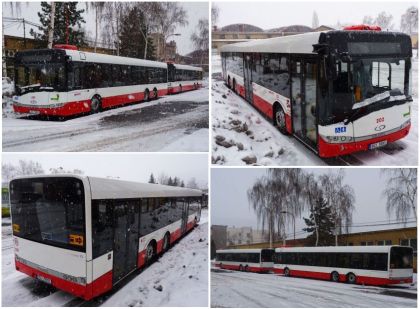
172 123
239 289
182 273
241 135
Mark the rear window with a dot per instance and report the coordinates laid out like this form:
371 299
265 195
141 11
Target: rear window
401 258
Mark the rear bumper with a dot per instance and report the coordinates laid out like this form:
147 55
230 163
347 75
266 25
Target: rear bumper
87 292
327 150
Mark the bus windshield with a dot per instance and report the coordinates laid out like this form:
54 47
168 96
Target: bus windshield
40 76
49 210
401 257
368 82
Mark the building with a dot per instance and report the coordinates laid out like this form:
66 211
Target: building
405 236
219 236
164 51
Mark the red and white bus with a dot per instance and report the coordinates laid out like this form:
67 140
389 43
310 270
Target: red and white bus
183 77
369 265
64 81
253 260
338 92
83 234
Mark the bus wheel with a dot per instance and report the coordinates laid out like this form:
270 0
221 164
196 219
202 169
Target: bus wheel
150 253
228 82
241 268
351 278
280 119
146 95
180 88
246 268
286 272
155 94
166 242
335 276
234 86
95 105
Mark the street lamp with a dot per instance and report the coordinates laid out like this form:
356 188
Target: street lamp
164 43
294 223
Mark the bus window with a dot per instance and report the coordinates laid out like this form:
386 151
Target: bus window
102 223
401 257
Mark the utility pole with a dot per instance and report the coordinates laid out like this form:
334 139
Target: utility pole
24 33
51 28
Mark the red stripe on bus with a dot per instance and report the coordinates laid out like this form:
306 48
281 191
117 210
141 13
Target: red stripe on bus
87 292
79 107
177 89
343 277
332 150
262 105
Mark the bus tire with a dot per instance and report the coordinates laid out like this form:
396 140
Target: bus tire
241 268
150 252
351 278
166 242
155 94
228 82
95 104
146 95
280 118
180 88
246 268
286 272
335 276
234 86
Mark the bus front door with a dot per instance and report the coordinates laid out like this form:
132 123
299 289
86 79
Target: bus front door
248 77
126 236
184 220
304 74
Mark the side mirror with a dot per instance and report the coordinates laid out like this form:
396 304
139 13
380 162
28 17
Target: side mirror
330 67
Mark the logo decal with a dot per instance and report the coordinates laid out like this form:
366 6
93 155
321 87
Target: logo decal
380 127
56 98
340 130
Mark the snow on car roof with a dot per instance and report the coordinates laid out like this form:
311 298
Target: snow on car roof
106 188
187 67
83 56
337 249
296 44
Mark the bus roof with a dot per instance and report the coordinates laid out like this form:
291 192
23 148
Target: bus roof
105 188
83 56
187 67
356 249
296 44
399 44
241 250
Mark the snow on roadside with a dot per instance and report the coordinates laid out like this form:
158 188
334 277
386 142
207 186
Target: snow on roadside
181 273
241 135
194 142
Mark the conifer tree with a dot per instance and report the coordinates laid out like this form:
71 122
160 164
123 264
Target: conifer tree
322 218
68 22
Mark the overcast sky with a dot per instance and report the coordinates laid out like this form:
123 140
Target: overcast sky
230 203
29 11
267 15
126 166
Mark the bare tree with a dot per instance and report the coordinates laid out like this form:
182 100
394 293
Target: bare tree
340 198
215 11
315 20
200 38
368 20
401 192
99 8
23 168
150 10
192 183
51 26
384 21
113 13
171 15
410 20
61 170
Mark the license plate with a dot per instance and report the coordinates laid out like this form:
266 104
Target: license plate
43 279
34 112
378 144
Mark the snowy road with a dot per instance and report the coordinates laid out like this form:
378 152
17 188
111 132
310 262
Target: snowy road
241 136
182 273
172 123
238 289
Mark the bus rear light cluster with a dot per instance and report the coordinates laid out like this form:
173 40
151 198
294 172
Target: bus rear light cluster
363 27
65 46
